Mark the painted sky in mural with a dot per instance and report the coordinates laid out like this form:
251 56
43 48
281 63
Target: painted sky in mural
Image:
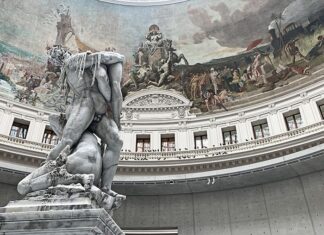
201 29
214 52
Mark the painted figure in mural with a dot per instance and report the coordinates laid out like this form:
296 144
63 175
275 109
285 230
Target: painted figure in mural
214 77
227 77
64 27
95 81
318 49
293 51
154 38
175 59
194 84
214 101
256 66
198 85
133 77
141 56
56 56
164 70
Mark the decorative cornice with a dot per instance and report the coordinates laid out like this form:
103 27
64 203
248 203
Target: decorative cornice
143 2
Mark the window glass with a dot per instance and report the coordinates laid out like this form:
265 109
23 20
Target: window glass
19 130
201 141
291 123
294 121
143 145
299 121
230 137
321 107
50 137
261 130
167 144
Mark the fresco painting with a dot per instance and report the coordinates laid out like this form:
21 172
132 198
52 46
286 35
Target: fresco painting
214 52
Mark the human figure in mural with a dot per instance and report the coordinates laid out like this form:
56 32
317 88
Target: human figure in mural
141 55
237 84
154 38
56 56
175 59
294 51
214 77
227 77
210 100
64 27
194 84
95 81
256 66
214 101
318 49
133 78
164 70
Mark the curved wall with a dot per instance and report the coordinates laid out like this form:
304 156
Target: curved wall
290 207
213 34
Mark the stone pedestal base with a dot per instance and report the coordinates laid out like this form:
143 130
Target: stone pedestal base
79 216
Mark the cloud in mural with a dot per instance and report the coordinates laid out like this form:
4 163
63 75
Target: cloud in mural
237 28
299 11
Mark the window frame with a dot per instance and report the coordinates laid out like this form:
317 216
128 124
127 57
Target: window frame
260 124
22 128
320 109
232 133
296 124
200 137
143 140
170 140
49 137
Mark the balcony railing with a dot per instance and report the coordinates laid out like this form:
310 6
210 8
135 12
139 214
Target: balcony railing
186 154
25 144
227 149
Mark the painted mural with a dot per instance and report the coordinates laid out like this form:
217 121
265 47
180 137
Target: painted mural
212 51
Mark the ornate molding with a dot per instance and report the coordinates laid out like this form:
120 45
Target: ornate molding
155 100
166 104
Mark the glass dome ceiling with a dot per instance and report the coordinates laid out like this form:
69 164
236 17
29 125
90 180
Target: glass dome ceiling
143 2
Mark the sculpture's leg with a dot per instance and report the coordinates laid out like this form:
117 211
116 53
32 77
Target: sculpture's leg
56 177
103 82
109 203
115 75
24 185
86 158
49 166
108 132
79 119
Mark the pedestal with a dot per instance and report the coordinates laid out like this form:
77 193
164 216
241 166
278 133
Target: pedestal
79 214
